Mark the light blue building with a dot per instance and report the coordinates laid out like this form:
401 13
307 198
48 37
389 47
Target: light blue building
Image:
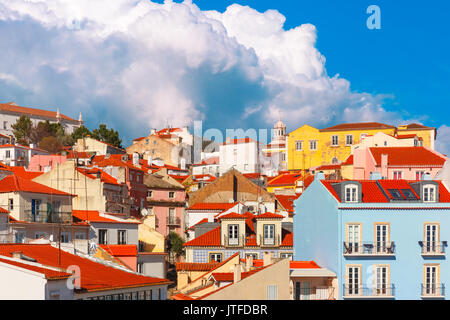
384 239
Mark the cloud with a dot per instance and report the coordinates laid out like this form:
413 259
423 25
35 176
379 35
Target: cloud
136 64
443 140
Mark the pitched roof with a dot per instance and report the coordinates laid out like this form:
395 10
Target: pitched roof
12 107
233 215
358 126
212 206
95 216
269 215
208 161
21 172
186 266
303 265
287 201
18 184
414 126
208 239
49 273
285 179
94 276
328 167
93 172
121 250
408 156
348 161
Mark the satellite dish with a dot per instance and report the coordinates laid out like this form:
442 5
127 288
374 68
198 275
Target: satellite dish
144 212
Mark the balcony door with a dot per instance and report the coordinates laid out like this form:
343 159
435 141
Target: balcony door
354 280
354 237
381 280
269 234
35 208
233 234
303 290
431 237
381 237
431 280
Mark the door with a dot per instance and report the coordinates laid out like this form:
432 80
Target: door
353 274
381 280
353 237
431 280
381 238
35 207
431 238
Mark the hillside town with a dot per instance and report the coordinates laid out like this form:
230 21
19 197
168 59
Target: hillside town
336 213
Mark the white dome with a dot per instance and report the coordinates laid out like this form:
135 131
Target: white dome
279 124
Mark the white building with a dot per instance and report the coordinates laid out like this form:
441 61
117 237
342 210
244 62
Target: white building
208 166
11 112
240 154
18 155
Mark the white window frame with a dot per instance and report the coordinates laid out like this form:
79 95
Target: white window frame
298 145
313 145
269 234
429 196
334 140
347 140
397 175
121 236
351 197
233 234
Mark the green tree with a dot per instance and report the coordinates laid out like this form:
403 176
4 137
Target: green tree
175 245
50 144
110 136
22 130
81 132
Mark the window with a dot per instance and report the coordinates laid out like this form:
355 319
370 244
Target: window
19 237
80 236
171 195
253 255
103 236
149 194
349 139
172 216
334 140
429 193
40 235
431 280
65 237
353 238
35 209
146 141
121 236
140 267
382 280
233 234
351 193
5 125
285 255
245 167
11 204
419 175
397 175
269 234
8 154
215 257
431 241
354 280
131 176
298 145
56 205
312 145
381 238
335 161
272 292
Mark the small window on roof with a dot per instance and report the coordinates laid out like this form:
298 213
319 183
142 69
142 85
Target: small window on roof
429 193
351 193
409 195
396 195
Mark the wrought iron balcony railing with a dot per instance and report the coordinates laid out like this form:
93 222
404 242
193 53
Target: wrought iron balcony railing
173 221
369 248
382 291
433 290
433 248
234 242
315 293
47 216
270 242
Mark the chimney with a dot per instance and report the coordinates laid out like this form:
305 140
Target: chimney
320 176
16 254
237 273
32 146
249 263
135 159
384 165
183 164
153 131
267 258
375 176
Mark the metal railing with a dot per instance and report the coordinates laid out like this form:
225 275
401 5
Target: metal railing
270 242
234 242
434 247
45 216
433 290
315 293
369 248
173 221
386 290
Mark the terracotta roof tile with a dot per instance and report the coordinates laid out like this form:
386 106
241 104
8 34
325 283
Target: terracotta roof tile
14 183
358 126
408 156
11 107
121 250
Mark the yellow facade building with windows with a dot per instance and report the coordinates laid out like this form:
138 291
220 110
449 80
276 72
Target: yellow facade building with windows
309 147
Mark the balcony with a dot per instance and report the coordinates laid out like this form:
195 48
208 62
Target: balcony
433 291
234 242
269 242
386 291
317 293
432 249
46 216
173 222
369 249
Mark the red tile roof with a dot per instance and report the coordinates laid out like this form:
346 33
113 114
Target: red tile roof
19 184
80 155
208 239
2 210
229 276
92 174
94 276
21 172
209 161
121 250
233 215
94 216
415 126
49 273
348 161
253 175
11 107
203 177
328 167
285 179
358 126
287 201
238 141
185 266
303 265
212 206
269 215
408 156
114 160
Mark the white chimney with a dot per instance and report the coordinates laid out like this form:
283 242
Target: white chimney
153 131
249 263
135 159
237 273
149 160
32 146
267 258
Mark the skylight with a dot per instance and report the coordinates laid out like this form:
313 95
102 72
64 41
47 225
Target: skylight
396 195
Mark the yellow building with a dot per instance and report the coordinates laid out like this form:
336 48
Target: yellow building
309 147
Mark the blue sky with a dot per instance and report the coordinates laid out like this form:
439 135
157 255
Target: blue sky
137 64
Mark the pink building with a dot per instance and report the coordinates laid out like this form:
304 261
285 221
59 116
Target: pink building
408 163
166 199
45 162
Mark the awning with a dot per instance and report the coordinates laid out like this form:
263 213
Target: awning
317 272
